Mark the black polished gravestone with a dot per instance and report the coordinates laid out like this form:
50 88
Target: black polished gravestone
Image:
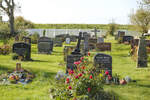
45 45
74 56
103 62
127 39
22 50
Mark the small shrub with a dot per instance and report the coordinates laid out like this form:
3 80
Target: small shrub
5 50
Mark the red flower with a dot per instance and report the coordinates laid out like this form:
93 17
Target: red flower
80 74
77 62
76 77
106 73
81 58
88 53
109 77
91 77
83 67
67 79
70 87
89 89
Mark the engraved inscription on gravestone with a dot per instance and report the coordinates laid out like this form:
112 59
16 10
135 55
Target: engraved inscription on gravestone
103 62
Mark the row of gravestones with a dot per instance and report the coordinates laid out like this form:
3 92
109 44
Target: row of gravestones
101 61
122 38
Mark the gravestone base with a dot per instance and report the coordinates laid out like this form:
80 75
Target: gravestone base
70 61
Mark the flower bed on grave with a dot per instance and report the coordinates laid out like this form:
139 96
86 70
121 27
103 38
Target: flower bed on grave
19 75
5 50
82 83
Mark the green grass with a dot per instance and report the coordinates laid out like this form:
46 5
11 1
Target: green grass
46 66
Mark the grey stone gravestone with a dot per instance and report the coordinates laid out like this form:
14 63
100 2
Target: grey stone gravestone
86 43
103 62
22 49
67 40
45 45
100 40
74 56
127 39
67 51
142 53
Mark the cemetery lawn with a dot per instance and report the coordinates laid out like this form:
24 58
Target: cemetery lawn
46 66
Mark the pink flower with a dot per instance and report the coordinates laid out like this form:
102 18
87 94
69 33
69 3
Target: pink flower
106 72
71 72
70 87
77 62
89 89
89 54
76 77
67 79
81 58
91 77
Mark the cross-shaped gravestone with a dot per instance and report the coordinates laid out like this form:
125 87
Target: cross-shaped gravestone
95 32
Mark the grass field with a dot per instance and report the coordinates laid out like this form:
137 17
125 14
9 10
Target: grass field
46 66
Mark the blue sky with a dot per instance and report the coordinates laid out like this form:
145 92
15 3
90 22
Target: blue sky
77 11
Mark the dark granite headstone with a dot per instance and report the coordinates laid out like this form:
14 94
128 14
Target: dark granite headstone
45 45
142 53
74 56
22 49
103 46
103 62
127 39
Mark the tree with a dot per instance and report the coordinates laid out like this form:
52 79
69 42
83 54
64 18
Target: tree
8 7
141 18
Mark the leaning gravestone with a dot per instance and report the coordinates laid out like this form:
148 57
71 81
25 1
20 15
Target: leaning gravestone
103 46
45 45
103 62
127 39
142 53
67 40
100 40
74 56
22 50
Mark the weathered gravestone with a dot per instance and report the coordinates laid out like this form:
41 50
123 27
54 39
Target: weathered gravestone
74 56
103 46
120 36
27 40
142 53
67 51
22 50
45 45
67 40
85 43
100 40
127 39
92 43
103 62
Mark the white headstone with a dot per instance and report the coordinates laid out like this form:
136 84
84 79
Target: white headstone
67 40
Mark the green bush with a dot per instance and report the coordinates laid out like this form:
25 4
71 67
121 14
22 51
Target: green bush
34 38
5 50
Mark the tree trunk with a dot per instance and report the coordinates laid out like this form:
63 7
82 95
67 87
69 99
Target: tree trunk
11 22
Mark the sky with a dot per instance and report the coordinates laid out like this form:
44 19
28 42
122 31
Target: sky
76 11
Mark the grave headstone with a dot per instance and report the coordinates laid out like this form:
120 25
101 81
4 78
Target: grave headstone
23 50
45 45
100 40
67 51
92 43
142 53
74 56
67 40
120 36
127 39
73 38
95 32
86 43
103 62
58 42
103 46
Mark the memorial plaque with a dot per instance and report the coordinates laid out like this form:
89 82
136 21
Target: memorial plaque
103 46
127 39
103 62
22 49
45 45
